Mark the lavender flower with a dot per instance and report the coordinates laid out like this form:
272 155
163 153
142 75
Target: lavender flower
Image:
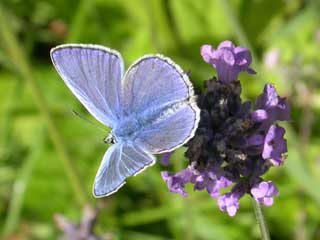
271 107
209 180
233 145
165 158
228 60
177 182
263 192
229 203
83 230
275 145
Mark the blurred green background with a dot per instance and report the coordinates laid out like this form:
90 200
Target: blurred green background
49 157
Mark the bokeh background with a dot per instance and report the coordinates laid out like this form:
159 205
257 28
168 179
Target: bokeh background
49 156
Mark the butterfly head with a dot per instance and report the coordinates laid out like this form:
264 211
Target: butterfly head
110 139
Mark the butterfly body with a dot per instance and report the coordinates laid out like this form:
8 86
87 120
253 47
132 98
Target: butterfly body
151 108
127 128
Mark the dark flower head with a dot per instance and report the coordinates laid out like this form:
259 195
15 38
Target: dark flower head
228 60
233 145
263 192
275 145
255 140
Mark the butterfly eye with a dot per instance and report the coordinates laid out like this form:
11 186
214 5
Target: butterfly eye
110 139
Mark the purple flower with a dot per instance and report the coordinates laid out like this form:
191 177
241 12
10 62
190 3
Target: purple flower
229 203
271 107
275 145
233 145
259 115
263 192
228 60
211 182
214 188
176 183
165 158
204 182
223 182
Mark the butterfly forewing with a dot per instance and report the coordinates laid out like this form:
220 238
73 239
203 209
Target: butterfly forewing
152 82
93 74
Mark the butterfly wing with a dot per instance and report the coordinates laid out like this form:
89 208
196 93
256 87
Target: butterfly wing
158 91
121 160
93 73
154 81
171 130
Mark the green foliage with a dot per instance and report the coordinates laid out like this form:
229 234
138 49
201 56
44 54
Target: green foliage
49 157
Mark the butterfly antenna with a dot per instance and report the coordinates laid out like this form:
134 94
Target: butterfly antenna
88 120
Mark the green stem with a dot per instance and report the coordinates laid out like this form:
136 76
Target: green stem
16 55
264 231
20 185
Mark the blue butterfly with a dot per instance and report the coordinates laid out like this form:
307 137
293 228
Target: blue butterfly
151 107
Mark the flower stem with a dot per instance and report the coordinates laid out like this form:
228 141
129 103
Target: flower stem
264 231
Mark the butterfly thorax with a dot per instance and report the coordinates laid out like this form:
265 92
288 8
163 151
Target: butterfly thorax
127 128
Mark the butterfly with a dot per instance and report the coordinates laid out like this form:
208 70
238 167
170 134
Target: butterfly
151 108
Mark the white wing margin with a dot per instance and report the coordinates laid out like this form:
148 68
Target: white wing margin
121 161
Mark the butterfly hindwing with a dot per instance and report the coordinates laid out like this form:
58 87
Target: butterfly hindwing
121 160
170 130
